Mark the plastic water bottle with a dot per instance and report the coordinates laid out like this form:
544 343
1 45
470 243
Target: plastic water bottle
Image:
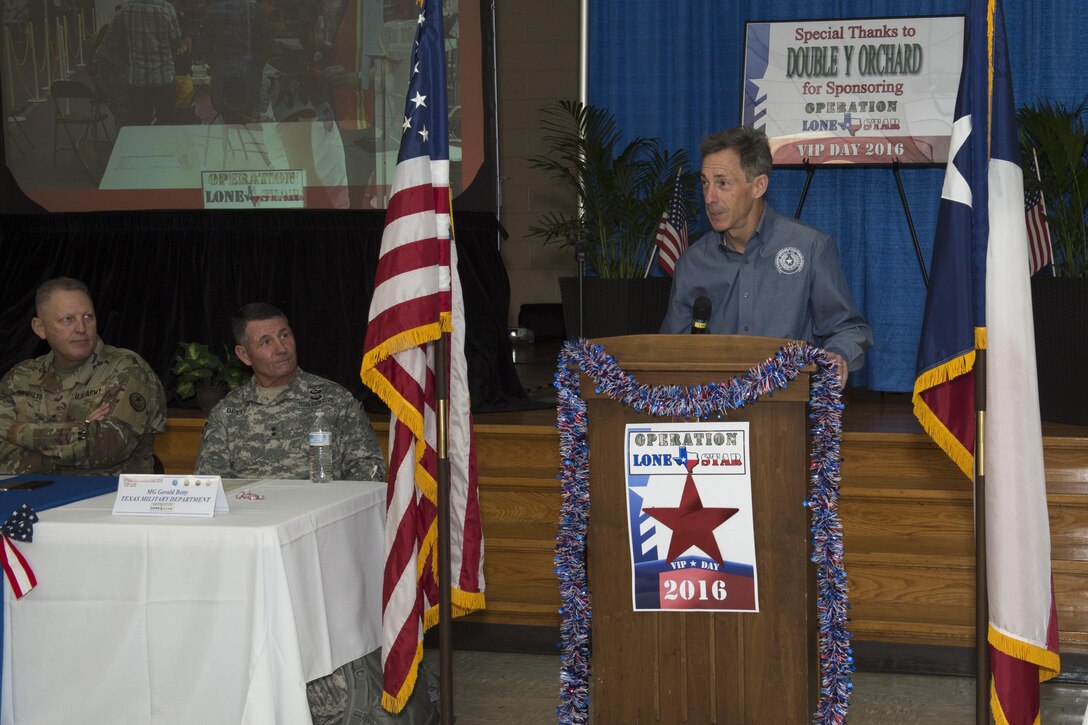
320 440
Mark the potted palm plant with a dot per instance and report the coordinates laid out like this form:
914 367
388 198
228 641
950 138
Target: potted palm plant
621 190
1055 134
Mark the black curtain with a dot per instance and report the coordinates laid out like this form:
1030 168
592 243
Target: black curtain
158 278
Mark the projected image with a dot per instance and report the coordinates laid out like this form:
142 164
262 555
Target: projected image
152 104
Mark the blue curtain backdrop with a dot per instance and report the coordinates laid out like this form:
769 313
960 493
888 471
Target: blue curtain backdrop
672 69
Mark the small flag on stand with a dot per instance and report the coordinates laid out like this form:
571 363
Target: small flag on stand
417 298
671 237
1039 246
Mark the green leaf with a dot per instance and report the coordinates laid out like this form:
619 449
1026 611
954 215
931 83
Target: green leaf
620 192
1056 135
195 366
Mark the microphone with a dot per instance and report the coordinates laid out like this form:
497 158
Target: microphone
700 315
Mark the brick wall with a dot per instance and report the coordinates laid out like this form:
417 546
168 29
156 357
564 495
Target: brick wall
537 48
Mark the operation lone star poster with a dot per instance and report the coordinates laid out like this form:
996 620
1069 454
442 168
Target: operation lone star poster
689 496
854 91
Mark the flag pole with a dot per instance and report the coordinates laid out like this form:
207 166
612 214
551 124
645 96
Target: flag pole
445 608
982 602
650 264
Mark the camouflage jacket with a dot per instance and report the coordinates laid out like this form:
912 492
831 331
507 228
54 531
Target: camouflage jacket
247 437
53 437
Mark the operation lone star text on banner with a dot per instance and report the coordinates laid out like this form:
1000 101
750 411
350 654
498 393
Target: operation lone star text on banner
692 541
417 297
979 299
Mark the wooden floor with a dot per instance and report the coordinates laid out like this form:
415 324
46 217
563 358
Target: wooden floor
907 516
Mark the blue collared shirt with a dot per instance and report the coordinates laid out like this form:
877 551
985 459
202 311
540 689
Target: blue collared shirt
787 283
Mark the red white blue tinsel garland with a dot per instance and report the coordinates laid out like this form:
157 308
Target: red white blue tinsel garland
701 401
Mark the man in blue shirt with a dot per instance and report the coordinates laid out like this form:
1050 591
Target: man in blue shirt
764 274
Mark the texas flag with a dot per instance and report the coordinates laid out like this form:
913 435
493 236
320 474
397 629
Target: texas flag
979 299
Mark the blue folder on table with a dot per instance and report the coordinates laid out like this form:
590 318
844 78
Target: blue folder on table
61 490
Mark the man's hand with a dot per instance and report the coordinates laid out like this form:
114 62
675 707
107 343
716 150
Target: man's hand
98 413
841 362
102 411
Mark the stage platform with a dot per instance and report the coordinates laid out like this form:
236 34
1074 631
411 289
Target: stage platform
906 512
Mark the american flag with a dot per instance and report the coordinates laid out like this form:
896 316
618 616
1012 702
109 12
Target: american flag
671 237
417 297
1041 251
20 527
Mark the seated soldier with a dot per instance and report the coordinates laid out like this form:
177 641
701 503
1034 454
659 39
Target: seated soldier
260 429
83 408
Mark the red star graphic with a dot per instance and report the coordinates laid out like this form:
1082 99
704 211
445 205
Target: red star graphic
691 523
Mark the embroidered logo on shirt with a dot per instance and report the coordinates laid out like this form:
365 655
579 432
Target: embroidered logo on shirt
789 260
137 402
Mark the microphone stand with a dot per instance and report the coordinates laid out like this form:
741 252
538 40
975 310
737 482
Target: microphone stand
577 237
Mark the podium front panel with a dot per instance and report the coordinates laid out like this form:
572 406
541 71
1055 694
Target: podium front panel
706 667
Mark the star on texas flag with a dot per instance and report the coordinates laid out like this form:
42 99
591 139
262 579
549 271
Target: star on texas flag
692 524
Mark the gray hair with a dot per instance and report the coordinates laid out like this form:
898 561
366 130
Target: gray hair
751 145
57 284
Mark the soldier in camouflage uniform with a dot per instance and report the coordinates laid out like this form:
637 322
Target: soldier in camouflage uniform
260 429
85 408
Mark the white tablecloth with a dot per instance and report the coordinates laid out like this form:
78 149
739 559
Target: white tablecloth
194 621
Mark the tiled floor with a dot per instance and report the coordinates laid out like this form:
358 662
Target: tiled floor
493 688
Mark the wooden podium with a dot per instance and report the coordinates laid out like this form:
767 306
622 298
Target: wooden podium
712 667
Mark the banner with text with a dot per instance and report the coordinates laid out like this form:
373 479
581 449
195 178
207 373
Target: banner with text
854 91
254 189
153 494
689 504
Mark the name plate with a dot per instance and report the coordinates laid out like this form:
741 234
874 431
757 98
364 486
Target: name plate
165 495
